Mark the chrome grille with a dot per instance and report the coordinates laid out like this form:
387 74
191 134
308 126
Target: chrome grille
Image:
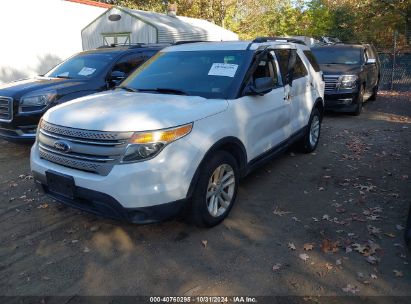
6 109
91 151
331 82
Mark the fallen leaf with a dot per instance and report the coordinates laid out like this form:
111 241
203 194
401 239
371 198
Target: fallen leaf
351 288
304 256
291 246
399 227
391 235
94 228
43 206
279 212
277 267
373 230
326 217
328 266
372 259
398 273
328 246
308 246
204 242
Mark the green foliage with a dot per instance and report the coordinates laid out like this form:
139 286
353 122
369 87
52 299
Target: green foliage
350 20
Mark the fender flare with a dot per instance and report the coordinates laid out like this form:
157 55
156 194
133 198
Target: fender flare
241 157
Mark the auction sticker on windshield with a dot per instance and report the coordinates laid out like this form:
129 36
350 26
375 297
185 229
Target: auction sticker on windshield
86 71
223 69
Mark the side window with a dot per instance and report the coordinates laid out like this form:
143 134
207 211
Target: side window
370 53
283 57
312 60
266 68
129 63
299 69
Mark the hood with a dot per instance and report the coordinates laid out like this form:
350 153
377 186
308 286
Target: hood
340 69
20 87
121 111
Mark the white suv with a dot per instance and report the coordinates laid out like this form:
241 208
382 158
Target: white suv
181 131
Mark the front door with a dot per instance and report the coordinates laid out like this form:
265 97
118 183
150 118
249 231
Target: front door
263 121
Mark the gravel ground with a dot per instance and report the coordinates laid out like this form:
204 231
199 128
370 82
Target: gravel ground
326 223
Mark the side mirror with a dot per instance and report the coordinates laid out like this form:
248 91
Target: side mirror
371 61
260 87
115 78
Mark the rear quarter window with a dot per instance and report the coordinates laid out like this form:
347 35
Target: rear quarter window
312 60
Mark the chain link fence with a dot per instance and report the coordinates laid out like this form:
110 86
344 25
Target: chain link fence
395 57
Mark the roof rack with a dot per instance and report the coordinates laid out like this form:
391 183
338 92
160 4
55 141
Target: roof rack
188 41
132 45
285 39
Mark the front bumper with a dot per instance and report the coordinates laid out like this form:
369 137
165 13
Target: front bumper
27 133
341 100
104 205
146 187
21 128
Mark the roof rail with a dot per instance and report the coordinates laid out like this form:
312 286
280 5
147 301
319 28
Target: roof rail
286 39
188 41
132 45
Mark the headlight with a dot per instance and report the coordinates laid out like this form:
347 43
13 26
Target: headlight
146 145
348 82
36 101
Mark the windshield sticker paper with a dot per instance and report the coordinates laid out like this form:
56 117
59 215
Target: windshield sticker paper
86 71
65 74
223 69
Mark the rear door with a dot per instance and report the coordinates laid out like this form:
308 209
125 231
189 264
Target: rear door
299 90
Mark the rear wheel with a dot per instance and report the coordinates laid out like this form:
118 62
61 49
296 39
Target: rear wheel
374 93
360 101
216 190
310 140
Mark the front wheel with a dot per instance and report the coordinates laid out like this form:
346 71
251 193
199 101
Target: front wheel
360 101
310 140
216 190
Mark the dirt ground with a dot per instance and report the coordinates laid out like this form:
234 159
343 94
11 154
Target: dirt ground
326 223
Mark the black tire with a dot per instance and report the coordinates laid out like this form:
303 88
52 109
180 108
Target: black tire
407 233
199 214
306 145
360 102
374 93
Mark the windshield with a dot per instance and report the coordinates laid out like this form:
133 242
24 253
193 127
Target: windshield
209 74
82 66
337 56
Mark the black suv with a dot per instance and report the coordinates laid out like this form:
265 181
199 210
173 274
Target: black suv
351 73
23 102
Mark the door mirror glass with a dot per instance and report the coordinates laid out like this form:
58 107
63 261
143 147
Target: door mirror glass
116 77
371 61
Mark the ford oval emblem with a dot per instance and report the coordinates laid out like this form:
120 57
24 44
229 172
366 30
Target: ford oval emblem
62 146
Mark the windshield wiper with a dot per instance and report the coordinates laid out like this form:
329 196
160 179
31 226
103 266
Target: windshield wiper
128 89
164 91
64 77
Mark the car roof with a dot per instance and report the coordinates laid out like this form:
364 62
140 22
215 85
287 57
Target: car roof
124 49
232 45
340 46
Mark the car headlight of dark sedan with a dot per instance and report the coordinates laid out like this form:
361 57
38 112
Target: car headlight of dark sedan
36 101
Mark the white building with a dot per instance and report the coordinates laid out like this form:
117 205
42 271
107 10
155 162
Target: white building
122 25
36 35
